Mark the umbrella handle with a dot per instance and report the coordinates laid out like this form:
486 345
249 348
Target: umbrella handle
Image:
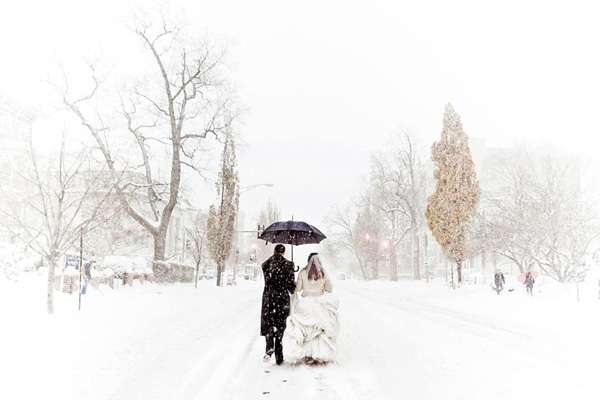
296 268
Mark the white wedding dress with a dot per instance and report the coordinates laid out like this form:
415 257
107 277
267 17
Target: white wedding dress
312 326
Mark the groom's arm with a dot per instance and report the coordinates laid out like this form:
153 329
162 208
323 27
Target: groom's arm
265 270
290 283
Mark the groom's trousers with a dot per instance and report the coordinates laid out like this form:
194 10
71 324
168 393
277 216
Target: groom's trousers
273 342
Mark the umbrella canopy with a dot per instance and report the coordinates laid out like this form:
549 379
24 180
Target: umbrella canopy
292 232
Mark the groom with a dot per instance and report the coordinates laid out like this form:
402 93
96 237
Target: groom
279 284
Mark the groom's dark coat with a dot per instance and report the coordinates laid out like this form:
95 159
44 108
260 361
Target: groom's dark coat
279 284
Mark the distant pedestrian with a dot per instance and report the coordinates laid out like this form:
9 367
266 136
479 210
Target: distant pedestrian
529 282
499 281
87 276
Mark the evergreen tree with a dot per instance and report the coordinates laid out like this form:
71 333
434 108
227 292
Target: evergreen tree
221 217
452 206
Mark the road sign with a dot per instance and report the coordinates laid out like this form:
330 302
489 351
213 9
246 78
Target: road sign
71 261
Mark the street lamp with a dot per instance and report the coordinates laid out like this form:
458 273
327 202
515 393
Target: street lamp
244 189
247 188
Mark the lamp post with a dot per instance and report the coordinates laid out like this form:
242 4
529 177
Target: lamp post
247 188
242 190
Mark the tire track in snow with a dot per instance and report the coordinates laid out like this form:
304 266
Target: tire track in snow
211 376
241 374
403 349
459 321
160 374
479 326
516 352
516 342
409 305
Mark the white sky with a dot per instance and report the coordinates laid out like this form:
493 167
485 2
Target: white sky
327 82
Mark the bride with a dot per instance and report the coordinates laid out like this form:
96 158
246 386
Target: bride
312 326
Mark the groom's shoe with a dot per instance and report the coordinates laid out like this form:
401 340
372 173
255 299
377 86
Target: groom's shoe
267 356
278 358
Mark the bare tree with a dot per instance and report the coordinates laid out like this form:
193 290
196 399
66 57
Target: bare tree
398 183
198 242
358 229
270 213
343 236
189 103
66 200
542 218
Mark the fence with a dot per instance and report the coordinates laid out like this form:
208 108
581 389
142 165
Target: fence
172 272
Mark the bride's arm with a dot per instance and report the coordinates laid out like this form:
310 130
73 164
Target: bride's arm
328 285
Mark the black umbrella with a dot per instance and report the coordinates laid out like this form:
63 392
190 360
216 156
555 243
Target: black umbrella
292 232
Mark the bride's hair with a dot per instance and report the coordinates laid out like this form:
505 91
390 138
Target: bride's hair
315 268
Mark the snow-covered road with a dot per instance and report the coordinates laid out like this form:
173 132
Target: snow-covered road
397 340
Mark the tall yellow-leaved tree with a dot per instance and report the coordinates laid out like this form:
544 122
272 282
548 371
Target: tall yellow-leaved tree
452 206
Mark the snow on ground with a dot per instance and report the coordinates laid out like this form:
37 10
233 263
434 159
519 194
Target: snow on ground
398 340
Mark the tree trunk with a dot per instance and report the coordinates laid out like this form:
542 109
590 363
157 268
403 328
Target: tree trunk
393 265
416 255
459 272
451 275
160 245
426 260
363 268
445 269
220 274
50 294
373 269
521 267
483 266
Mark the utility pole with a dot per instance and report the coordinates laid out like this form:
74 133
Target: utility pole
238 241
235 266
199 261
80 264
426 257
183 249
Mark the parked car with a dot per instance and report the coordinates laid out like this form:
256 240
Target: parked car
206 275
249 272
230 279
